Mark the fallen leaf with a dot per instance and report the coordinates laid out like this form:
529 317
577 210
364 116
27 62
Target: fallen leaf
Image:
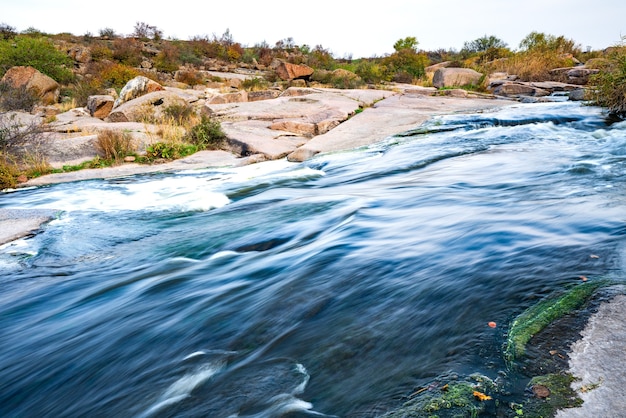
481 396
445 387
583 278
553 352
594 256
492 324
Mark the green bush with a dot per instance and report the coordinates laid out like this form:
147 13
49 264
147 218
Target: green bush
37 52
610 84
371 71
207 134
170 150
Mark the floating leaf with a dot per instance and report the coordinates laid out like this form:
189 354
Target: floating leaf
583 278
594 256
481 396
492 324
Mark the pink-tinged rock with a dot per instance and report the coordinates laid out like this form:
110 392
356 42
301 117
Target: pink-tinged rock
99 106
288 71
34 81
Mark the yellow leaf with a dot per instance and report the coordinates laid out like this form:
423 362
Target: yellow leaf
481 396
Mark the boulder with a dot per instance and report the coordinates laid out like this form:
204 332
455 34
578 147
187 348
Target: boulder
288 71
99 106
455 77
431 69
137 87
80 54
517 89
578 95
35 82
149 106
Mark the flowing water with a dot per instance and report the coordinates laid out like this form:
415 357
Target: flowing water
325 288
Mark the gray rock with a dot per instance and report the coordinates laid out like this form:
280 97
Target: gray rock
136 87
455 77
149 106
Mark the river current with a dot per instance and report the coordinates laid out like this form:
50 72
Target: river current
331 287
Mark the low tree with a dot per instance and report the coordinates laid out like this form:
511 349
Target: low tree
541 42
7 31
406 63
482 45
144 32
408 43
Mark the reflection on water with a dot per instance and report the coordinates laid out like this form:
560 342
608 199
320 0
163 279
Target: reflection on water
327 288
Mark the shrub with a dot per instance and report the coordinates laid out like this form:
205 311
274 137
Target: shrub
109 75
530 65
100 51
255 84
17 138
145 32
127 51
114 145
190 77
37 52
8 174
541 42
610 84
170 150
179 114
168 59
17 98
7 31
107 33
371 72
207 134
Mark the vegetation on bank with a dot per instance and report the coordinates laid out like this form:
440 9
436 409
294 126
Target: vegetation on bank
94 64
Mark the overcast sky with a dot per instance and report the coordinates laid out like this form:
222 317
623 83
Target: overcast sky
356 28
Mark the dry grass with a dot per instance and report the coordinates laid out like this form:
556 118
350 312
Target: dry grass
530 66
115 145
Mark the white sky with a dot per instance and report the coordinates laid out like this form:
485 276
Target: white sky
357 28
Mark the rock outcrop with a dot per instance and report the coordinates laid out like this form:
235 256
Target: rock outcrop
288 71
137 87
148 106
34 81
99 106
455 77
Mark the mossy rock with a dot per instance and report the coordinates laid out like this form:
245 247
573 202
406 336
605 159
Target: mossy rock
556 393
539 316
455 398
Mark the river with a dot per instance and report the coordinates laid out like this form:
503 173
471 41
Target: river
325 288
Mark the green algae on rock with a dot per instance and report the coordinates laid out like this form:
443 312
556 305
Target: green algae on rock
449 398
537 317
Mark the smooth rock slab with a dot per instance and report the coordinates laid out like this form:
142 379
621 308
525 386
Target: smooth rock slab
598 360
